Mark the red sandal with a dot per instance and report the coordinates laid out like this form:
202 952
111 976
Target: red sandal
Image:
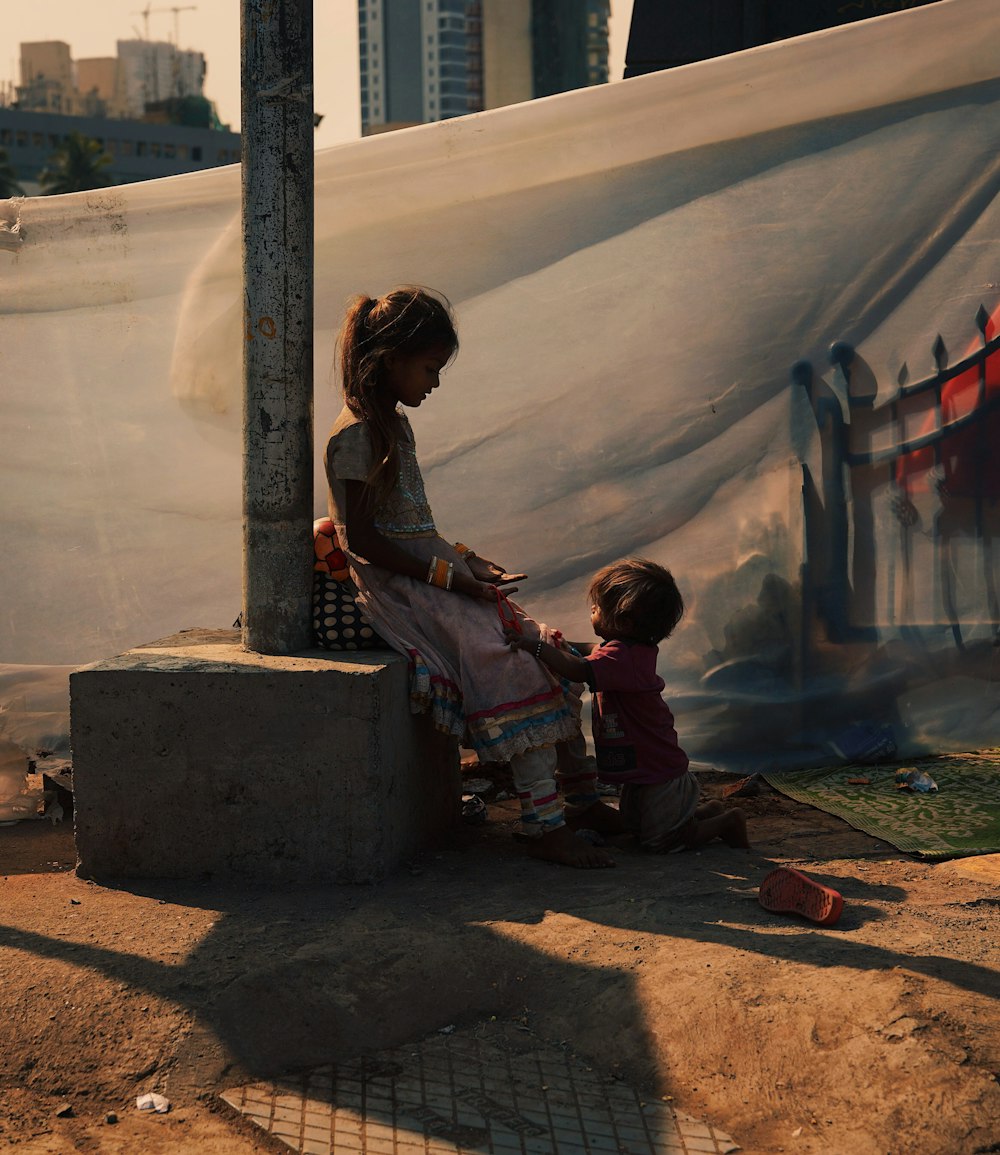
789 891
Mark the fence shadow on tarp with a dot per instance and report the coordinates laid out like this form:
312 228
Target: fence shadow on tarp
900 529
893 626
901 514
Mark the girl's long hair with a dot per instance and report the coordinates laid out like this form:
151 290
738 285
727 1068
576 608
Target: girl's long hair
407 320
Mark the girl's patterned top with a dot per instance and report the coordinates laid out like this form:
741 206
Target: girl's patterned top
405 513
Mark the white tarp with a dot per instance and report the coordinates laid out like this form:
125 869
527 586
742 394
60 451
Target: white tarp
635 269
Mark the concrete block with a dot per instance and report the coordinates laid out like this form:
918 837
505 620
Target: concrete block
192 757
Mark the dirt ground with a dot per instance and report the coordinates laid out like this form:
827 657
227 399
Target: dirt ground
879 1035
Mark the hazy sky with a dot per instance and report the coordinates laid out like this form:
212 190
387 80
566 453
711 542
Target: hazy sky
213 28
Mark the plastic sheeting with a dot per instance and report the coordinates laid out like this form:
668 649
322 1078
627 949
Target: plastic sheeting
635 268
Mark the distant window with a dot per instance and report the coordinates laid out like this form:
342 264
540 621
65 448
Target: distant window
170 151
140 148
6 136
22 138
196 152
127 148
53 140
155 148
182 152
38 140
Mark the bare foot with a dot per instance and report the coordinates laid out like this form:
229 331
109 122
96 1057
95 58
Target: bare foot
627 841
563 846
597 816
729 825
734 831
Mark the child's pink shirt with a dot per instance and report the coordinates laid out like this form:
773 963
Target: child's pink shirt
634 735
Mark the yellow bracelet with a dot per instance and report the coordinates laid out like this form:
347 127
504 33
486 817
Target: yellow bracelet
440 573
463 551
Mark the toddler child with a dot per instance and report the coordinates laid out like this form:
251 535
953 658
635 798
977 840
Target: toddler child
635 604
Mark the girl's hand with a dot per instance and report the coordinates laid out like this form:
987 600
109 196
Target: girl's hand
463 584
513 638
491 573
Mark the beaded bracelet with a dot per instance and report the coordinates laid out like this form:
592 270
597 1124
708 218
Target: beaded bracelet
538 649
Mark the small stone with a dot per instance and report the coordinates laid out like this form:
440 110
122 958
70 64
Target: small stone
65 1111
111 1117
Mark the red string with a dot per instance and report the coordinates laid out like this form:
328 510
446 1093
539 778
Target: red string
508 618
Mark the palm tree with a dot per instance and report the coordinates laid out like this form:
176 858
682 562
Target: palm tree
8 178
75 167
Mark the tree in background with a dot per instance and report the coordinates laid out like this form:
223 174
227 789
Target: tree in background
75 167
8 178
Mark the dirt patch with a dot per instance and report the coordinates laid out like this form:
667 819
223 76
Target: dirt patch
881 1034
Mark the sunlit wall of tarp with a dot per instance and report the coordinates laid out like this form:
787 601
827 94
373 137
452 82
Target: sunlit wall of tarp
635 268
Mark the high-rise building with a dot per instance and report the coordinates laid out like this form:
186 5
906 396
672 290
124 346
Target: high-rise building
156 70
425 60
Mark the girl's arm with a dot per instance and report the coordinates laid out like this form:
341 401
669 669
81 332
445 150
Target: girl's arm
366 541
561 662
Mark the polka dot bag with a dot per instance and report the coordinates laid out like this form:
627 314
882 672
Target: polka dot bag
337 620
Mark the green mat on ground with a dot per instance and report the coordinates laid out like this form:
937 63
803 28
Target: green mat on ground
961 819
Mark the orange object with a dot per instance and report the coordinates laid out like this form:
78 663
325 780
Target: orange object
789 891
438 575
329 556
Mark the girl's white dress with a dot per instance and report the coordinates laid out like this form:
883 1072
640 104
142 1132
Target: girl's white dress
500 702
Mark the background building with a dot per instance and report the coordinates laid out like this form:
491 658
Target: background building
425 60
666 33
155 71
146 107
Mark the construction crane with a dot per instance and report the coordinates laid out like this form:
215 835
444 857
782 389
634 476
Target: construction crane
177 10
144 13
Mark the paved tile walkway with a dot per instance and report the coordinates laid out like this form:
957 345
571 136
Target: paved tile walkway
467 1093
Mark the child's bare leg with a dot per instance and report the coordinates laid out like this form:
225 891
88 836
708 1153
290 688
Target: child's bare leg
562 845
709 809
730 826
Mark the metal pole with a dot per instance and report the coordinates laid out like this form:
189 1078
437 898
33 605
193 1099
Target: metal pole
277 155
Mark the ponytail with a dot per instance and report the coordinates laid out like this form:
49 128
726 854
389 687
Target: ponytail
405 321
